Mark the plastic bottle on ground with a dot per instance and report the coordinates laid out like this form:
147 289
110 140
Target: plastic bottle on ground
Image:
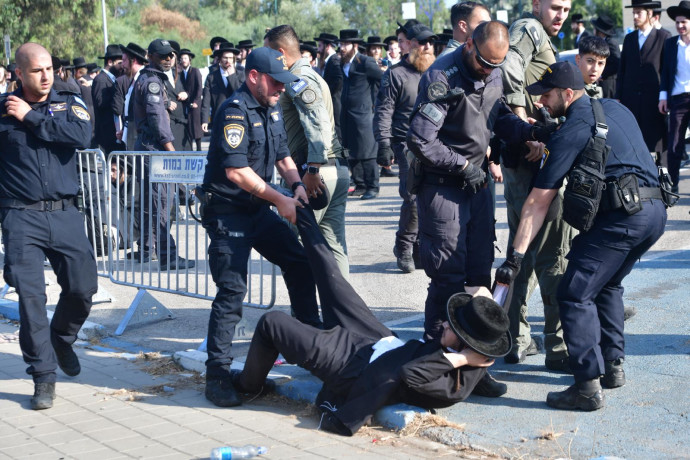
228 453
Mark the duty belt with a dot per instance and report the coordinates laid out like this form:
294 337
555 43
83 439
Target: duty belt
610 200
443 179
44 205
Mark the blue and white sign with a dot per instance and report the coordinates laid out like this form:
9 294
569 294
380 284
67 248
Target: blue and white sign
186 169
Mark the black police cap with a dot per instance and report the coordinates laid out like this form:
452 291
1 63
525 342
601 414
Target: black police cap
160 47
559 75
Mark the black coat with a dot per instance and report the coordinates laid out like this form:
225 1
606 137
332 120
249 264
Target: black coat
670 65
358 98
192 84
103 91
638 84
585 33
178 120
608 76
122 85
333 75
215 93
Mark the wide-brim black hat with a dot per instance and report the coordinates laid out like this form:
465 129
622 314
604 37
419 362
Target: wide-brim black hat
132 49
226 47
187 52
350 35
375 40
216 40
92 67
79 62
480 323
605 25
112 52
683 9
644 4
175 46
245 44
326 38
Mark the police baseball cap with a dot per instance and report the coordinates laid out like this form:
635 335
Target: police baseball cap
160 47
271 62
559 75
420 32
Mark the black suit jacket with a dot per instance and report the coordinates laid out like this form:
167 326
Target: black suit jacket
638 84
215 93
333 75
192 84
585 33
608 76
670 65
102 92
360 87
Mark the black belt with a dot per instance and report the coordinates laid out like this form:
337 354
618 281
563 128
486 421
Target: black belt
681 95
610 200
44 205
442 179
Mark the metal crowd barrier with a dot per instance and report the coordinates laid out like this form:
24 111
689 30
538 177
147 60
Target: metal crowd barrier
163 183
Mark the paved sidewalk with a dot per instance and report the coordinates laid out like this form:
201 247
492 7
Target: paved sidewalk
114 410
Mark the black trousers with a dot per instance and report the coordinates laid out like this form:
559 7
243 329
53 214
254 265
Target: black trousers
679 119
365 174
29 237
327 354
407 236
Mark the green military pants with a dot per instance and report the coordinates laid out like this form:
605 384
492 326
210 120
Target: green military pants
332 218
544 263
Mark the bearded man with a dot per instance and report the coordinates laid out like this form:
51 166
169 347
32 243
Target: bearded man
394 104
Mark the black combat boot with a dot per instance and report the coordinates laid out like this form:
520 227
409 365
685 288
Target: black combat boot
44 394
221 392
615 375
586 395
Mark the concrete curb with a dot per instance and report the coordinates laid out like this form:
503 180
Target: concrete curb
10 310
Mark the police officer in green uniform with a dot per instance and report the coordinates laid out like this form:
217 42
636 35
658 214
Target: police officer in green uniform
531 52
314 146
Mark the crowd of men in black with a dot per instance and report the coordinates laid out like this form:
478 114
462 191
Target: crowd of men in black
457 111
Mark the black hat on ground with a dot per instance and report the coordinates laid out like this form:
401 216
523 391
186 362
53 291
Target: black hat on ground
160 47
226 47
134 50
480 323
215 40
644 4
577 19
683 9
112 52
271 62
187 52
326 38
350 36
245 44
375 40
79 62
605 25
558 75
420 32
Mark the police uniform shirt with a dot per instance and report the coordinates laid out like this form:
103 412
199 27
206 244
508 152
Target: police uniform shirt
150 115
37 160
394 102
628 153
245 134
308 116
446 134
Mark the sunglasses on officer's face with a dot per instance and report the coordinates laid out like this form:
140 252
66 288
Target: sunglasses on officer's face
483 62
428 41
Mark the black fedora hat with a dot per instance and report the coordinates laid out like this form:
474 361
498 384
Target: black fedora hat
112 52
389 39
644 4
326 38
480 323
224 48
215 40
605 24
577 19
375 40
187 52
683 9
92 67
79 62
351 36
66 65
57 63
245 44
134 50
175 46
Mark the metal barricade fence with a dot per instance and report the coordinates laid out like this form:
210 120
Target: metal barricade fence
149 189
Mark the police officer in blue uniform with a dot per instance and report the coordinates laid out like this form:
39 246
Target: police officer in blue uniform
248 139
150 107
460 103
39 132
590 295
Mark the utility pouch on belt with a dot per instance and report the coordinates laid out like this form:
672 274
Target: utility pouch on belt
667 195
415 173
586 181
204 198
628 190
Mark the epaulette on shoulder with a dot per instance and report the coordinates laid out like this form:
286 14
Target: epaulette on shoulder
67 92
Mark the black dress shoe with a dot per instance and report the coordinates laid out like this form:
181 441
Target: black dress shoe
489 387
331 423
137 257
67 359
558 365
177 262
269 385
387 172
587 396
404 260
221 393
369 194
356 192
614 376
44 394
629 312
515 357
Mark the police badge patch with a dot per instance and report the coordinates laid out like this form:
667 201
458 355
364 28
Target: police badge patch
308 96
436 90
81 113
154 88
234 134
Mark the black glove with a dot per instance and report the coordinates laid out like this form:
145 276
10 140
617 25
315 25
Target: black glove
384 156
474 177
541 131
506 273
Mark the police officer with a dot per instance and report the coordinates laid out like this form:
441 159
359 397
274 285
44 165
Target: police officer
313 143
531 52
39 131
590 294
153 133
449 133
394 103
248 139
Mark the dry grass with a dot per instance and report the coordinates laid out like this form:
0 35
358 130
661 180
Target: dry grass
422 422
166 20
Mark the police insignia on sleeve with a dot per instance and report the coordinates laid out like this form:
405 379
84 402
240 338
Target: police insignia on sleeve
234 134
298 86
432 113
81 113
58 107
308 96
154 88
275 116
436 90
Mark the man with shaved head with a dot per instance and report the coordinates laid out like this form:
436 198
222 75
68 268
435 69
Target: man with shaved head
39 131
459 103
